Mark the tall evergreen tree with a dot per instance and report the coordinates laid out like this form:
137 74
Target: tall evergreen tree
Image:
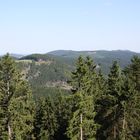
82 125
129 125
118 106
110 105
63 111
115 83
45 120
132 73
16 104
100 104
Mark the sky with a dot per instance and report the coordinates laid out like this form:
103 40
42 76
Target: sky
40 26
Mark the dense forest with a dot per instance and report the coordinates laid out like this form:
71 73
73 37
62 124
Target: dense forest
49 72
94 107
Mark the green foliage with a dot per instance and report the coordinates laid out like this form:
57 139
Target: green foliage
133 71
16 103
118 108
45 75
45 120
111 108
95 108
37 57
104 58
48 71
132 89
63 107
83 112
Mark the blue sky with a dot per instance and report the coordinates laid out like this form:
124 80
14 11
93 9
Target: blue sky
39 26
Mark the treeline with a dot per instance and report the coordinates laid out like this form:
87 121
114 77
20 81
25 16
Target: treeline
97 108
37 57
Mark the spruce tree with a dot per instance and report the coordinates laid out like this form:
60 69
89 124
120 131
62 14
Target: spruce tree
133 71
132 74
63 110
16 104
109 105
45 120
81 124
100 104
114 93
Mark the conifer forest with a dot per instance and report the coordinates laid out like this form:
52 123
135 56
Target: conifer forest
92 105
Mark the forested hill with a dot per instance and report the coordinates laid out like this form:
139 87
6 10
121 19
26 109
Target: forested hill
95 54
94 108
48 72
102 57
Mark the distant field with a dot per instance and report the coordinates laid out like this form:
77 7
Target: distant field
24 61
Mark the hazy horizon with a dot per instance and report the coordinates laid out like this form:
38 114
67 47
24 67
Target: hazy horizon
14 53
33 26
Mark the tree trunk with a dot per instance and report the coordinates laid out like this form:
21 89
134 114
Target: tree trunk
9 127
114 129
123 126
9 132
81 129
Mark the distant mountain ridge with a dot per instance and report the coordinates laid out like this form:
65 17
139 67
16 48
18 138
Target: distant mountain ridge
71 53
101 57
52 70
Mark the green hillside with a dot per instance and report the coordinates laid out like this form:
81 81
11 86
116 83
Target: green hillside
45 73
103 58
50 72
